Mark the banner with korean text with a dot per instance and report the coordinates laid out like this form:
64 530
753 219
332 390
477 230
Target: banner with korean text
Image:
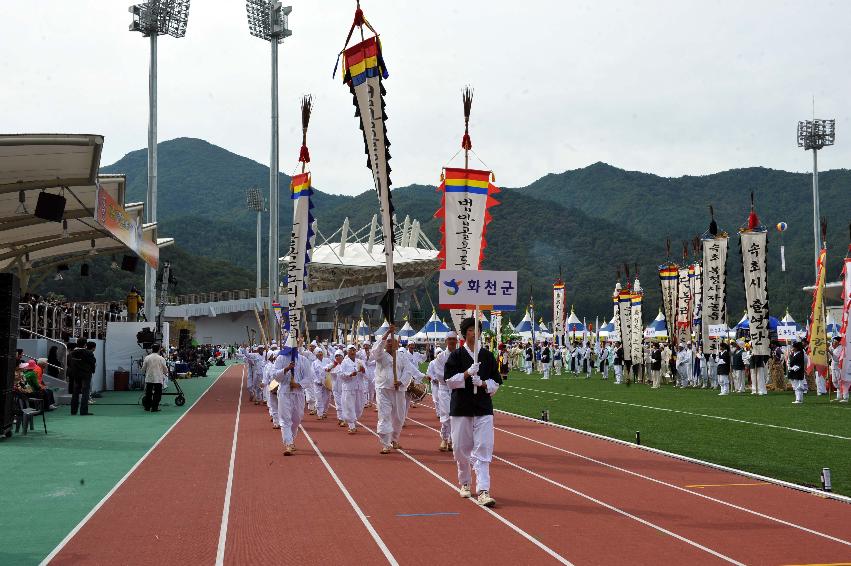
468 289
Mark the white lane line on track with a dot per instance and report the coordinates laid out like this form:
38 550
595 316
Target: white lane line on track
100 503
667 410
678 488
606 505
375 536
223 529
561 559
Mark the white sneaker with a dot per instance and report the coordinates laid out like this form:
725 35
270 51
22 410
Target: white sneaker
485 500
796 402
464 491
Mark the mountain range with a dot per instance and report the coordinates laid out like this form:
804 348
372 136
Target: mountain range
584 222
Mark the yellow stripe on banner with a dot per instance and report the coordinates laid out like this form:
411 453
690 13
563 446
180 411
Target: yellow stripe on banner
701 486
822 564
367 63
467 182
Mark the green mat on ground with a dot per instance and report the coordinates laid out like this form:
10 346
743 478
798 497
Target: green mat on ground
51 481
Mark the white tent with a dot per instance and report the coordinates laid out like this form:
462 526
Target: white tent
379 332
658 329
434 330
524 329
406 332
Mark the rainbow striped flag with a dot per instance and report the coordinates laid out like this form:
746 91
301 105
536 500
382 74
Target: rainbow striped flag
300 186
467 181
363 61
669 273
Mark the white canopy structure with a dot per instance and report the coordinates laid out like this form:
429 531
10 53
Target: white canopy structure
433 331
574 326
379 332
407 331
608 330
524 329
658 329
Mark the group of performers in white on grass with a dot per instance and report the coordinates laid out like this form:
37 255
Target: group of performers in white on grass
378 375
733 370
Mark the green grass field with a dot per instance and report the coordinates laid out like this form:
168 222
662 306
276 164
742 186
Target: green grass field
618 411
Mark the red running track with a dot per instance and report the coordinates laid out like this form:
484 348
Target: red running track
563 497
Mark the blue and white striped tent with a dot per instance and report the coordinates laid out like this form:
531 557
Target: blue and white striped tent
608 330
658 329
832 327
574 326
379 332
406 331
434 329
745 324
524 328
362 330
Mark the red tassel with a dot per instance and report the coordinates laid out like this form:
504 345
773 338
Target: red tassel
358 17
753 220
466 142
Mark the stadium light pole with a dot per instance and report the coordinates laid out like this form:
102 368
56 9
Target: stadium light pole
151 19
254 199
267 20
815 135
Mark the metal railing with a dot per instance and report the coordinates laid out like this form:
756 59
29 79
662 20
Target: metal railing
62 321
216 296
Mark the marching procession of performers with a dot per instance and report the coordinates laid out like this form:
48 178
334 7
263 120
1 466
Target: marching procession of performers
386 378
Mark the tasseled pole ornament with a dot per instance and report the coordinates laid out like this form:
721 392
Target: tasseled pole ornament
306 109
467 99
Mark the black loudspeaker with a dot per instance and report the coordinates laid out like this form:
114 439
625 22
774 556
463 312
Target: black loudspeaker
129 263
185 339
10 295
50 207
84 270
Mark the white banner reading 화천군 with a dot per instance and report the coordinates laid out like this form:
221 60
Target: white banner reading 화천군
717 331
787 332
489 290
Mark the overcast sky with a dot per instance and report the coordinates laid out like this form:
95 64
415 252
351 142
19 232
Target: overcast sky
669 87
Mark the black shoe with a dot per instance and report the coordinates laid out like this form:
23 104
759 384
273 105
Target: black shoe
147 409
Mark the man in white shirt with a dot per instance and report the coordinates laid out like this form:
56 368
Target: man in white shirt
309 390
293 371
155 371
444 393
435 381
352 373
393 374
320 367
365 357
471 412
683 365
256 363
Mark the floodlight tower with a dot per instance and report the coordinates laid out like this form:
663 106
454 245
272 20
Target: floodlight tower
268 20
153 18
816 134
254 200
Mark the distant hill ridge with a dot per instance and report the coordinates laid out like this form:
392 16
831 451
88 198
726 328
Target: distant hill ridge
589 221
